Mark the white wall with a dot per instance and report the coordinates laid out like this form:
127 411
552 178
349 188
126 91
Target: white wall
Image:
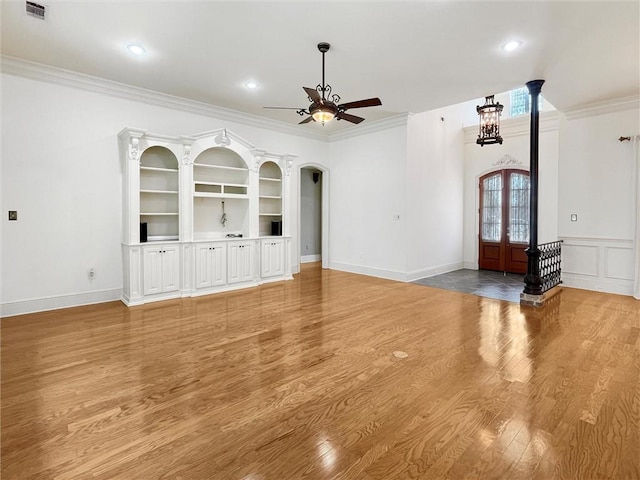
596 175
513 153
61 171
435 166
368 179
310 214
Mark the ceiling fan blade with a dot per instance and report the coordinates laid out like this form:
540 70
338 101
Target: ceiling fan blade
349 118
313 94
369 102
306 120
282 108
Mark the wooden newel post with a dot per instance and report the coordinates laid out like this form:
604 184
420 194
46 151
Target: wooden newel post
532 280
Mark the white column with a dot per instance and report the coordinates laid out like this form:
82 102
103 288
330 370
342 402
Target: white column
636 270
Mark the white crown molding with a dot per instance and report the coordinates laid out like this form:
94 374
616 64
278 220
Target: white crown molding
68 78
371 127
599 108
517 126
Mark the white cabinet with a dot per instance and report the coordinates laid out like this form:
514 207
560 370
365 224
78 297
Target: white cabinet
161 269
272 258
202 213
210 265
240 262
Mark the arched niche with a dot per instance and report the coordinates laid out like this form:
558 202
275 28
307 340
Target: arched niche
220 194
270 199
159 197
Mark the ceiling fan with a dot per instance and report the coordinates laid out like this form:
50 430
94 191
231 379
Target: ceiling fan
325 105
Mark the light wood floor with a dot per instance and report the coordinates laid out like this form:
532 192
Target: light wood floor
296 380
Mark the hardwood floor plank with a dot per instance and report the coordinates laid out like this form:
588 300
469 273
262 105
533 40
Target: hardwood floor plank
297 380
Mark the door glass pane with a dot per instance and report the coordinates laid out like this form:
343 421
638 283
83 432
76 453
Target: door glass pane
492 208
519 208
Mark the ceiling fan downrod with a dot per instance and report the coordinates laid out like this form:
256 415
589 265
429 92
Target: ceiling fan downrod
324 48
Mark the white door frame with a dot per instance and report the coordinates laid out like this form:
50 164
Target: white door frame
325 211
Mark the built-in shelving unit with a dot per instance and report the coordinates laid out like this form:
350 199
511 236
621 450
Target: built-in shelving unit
207 201
270 199
159 201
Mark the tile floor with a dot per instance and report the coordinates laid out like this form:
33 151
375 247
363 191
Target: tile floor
483 283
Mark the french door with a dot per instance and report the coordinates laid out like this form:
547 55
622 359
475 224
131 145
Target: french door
504 221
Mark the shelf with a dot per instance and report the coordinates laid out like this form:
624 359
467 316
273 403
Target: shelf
159 191
270 214
161 238
222 184
220 195
158 169
271 197
163 214
267 179
221 167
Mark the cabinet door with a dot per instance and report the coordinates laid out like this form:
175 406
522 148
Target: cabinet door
272 258
152 270
247 262
239 265
203 265
277 257
170 269
218 264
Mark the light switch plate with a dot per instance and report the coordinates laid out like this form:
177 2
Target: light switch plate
13 215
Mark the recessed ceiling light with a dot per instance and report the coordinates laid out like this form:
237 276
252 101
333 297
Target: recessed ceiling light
511 46
136 49
251 85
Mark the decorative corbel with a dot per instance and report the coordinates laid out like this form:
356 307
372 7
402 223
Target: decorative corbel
222 139
186 154
134 150
258 154
288 162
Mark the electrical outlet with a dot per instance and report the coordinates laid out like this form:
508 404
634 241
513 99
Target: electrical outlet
92 273
396 216
574 217
13 215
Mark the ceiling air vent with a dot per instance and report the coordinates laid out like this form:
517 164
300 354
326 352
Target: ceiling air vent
35 10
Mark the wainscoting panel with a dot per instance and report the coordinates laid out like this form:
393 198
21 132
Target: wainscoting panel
619 263
580 259
601 264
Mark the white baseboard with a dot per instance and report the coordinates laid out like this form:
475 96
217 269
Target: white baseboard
310 258
370 271
431 271
21 307
620 287
470 265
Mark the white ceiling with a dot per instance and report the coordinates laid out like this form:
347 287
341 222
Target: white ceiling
415 56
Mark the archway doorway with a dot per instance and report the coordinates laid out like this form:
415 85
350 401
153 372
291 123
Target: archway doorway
504 221
313 214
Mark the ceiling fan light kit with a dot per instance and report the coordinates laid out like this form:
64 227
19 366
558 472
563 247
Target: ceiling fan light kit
325 106
322 114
